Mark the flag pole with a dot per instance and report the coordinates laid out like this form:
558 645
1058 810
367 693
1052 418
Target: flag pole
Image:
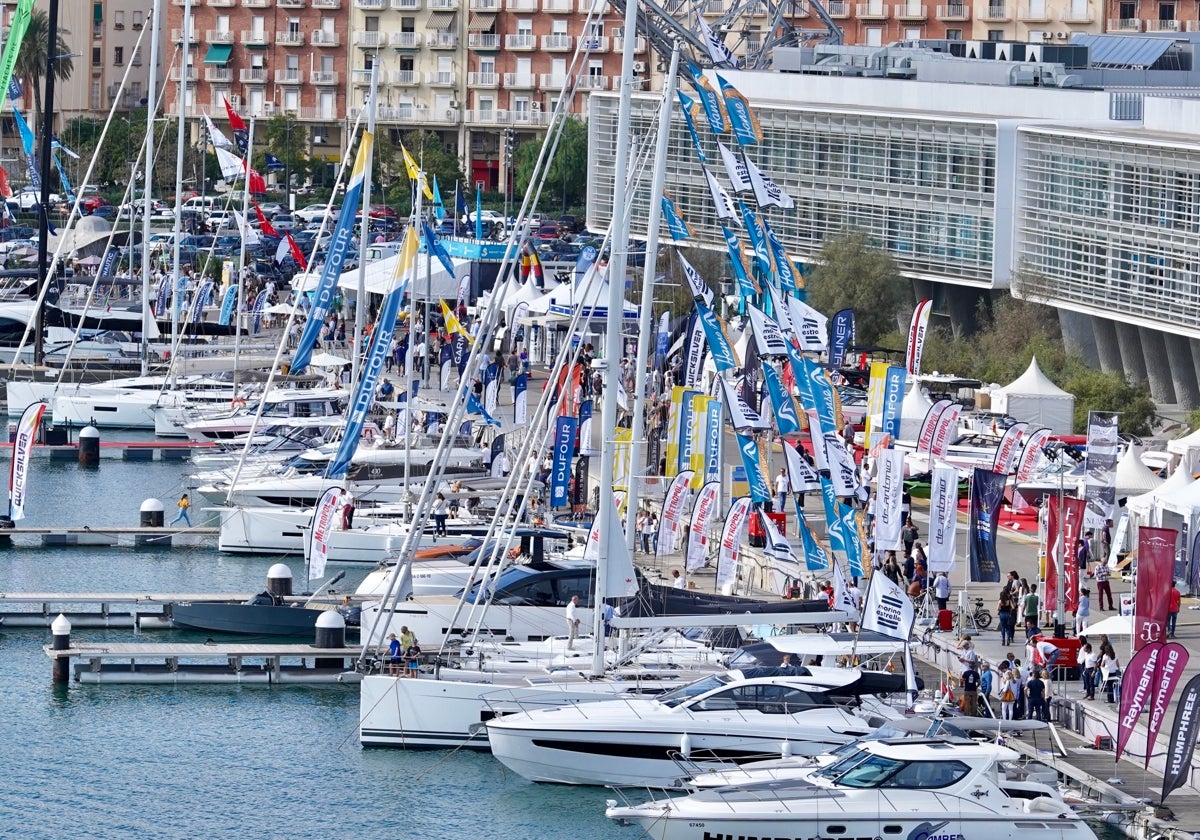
245 223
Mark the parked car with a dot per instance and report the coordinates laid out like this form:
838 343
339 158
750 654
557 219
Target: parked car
568 223
283 221
29 197
104 211
271 208
315 212
219 219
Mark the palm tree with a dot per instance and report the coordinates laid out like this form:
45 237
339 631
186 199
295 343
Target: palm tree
31 60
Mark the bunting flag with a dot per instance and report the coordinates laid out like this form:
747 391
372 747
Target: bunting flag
889 500
1006 450
987 495
787 421
916 337
790 280
237 127
887 609
759 491
263 222
746 287
841 338
274 164
802 477
707 502
18 25
778 547
434 246
731 542
943 520
742 415
255 184
691 110
1136 684
715 44
1156 568
439 209
816 559
199 300
337 251
218 140
833 522
735 168
674 503
758 240
28 143
766 192
719 344
843 600
726 209
324 517
453 327
1184 733
742 121
231 164
664 339
260 306
696 285
22 453
1031 454
710 100
1172 660
677 226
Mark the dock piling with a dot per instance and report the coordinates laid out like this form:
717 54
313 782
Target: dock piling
89 447
61 631
279 580
331 633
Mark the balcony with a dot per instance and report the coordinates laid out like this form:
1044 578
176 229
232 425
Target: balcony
289 4
399 113
289 76
370 5
173 74
553 81
1082 16
218 75
871 11
1163 26
602 7
517 81
211 36
404 78
955 11
441 40
256 4
326 4
177 37
218 4
558 7
595 44
444 5
253 76
639 44
1125 25
406 5
404 40
483 41
324 77
440 78
557 43
521 5
715 7
320 112
370 39
489 79
590 82
263 109
1034 13
255 39
485 5
912 12
321 38
520 42
996 13
838 9
290 38
523 117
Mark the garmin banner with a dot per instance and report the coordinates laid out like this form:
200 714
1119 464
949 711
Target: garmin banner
987 494
560 471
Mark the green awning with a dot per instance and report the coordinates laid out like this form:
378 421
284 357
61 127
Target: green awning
98 12
218 54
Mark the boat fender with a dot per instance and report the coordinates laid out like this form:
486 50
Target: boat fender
236 403
685 745
1045 805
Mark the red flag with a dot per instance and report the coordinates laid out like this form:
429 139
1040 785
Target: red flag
258 186
1074 511
297 254
5 189
236 123
262 221
1156 569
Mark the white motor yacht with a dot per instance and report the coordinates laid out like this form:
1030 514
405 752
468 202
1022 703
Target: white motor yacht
237 418
733 716
935 789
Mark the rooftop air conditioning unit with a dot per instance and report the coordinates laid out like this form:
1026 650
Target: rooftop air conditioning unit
451 113
639 67
1062 36
536 106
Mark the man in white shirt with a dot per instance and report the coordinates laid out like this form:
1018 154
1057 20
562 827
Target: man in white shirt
572 622
782 485
941 590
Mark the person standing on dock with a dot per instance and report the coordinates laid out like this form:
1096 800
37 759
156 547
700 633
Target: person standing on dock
184 504
572 622
347 510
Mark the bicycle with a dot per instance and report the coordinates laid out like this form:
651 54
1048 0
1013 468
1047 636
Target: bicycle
977 619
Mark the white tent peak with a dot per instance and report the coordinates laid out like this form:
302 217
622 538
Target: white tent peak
1034 382
1132 476
1141 505
1034 399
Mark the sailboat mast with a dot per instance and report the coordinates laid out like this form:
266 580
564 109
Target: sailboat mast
184 63
637 442
241 275
148 182
39 343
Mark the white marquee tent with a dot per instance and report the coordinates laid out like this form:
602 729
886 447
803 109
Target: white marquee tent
1140 507
1034 399
912 412
438 285
1133 477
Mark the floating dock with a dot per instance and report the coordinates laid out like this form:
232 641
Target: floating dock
153 450
111 610
108 536
204 663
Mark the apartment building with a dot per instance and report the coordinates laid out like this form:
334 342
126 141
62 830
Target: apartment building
1152 16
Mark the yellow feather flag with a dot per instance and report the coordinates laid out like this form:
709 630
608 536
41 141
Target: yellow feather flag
452 324
414 173
408 258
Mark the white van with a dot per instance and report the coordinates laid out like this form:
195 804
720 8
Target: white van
204 203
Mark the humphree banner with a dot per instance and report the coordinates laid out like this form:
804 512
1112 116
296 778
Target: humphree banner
987 494
1156 566
942 544
1182 744
1100 485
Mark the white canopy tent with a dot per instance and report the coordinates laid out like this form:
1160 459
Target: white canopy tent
1140 507
1034 399
913 410
438 285
1133 477
589 295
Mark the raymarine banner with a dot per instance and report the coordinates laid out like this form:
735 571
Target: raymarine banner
1172 660
1137 684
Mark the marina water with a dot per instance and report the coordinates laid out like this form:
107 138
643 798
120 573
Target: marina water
115 761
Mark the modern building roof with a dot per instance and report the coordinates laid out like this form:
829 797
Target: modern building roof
1126 52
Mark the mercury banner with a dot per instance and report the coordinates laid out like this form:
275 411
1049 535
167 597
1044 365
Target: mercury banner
987 494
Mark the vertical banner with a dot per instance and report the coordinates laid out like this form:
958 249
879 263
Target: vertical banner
713 431
875 385
324 516
942 543
673 418
946 431
787 422
1172 660
693 352
916 337
685 431
1100 485
1007 448
833 522
706 505
672 513
1137 684
987 494
1184 732
1031 454
731 542
889 500
887 609
816 559
520 395
585 429
18 476
841 338
560 471
854 540
1156 559
621 456
1060 554
929 425
759 491
893 399
491 388
697 454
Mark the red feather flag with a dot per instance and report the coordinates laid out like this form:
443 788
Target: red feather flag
262 221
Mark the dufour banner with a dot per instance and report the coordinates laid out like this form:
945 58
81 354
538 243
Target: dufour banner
684 443
842 337
672 513
942 543
1184 731
893 399
322 525
673 418
560 470
987 494
691 431
1156 566
1100 485
18 476
698 458
707 502
759 491
713 431
917 329
1172 660
889 500
1137 684
731 542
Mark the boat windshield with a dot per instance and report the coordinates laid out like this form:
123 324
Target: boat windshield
863 770
687 692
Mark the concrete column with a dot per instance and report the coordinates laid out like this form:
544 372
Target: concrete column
1078 336
961 303
1108 350
1183 370
1133 363
1158 372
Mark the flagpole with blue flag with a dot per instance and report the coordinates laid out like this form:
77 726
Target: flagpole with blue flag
439 209
478 211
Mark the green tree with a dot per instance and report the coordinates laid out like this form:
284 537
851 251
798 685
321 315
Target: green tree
853 273
35 53
284 137
431 153
1095 390
566 180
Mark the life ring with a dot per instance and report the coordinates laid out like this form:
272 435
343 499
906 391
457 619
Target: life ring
236 403
368 434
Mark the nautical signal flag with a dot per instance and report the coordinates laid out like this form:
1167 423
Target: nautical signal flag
263 222
742 121
439 209
219 140
274 164
452 324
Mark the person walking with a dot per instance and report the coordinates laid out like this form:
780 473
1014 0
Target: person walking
439 513
572 622
1005 610
1103 587
1083 612
184 504
1008 694
909 535
1173 602
781 489
1032 608
1088 661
